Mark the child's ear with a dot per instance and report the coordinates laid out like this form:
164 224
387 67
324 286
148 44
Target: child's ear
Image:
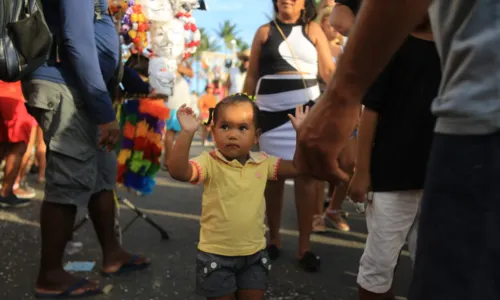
258 133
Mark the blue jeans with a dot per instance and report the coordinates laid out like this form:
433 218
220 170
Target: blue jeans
458 248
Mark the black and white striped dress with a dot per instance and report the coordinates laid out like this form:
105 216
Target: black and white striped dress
279 94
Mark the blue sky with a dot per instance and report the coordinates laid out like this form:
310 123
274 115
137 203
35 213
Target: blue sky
248 14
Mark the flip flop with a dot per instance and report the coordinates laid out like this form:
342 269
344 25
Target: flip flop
67 293
131 266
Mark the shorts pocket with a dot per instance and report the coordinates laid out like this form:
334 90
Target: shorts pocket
265 261
206 264
45 110
77 171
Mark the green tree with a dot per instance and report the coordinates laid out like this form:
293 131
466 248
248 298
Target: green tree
227 32
242 45
206 44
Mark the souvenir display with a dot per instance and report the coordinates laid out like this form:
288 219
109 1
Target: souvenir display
142 122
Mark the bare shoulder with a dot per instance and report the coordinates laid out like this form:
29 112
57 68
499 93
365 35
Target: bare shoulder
263 33
314 31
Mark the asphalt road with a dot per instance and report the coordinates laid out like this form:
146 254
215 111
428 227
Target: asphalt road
176 207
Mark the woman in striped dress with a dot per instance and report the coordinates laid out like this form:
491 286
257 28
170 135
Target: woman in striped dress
283 74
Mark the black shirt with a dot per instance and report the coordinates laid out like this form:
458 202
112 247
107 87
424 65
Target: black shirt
402 96
352 4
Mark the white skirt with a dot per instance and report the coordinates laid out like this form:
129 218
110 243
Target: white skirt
283 92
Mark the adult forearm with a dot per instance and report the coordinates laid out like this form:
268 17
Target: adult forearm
380 29
178 162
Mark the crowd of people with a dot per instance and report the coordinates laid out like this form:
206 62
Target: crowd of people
403 118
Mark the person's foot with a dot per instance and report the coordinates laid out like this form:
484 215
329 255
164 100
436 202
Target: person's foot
60 281
115 262
336 219
318 225
24 192
310 262
12 201
40 180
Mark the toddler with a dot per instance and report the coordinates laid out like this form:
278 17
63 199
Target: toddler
231 259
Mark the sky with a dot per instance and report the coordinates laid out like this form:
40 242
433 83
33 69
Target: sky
248 14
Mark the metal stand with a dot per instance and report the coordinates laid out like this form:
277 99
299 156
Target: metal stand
139 214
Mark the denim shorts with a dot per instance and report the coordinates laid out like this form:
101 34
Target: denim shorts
458 247
219 276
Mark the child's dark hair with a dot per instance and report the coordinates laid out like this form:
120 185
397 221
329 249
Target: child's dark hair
230 100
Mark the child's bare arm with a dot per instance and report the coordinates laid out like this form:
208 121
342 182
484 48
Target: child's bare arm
286 169
178 162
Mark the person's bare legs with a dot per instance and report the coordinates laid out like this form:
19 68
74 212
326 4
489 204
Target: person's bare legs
25 161
56 224
274 205
13 157
168 144
334 210
305 196
40 155
318 225
102 212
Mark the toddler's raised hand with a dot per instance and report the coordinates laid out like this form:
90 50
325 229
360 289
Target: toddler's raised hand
300 115
187 119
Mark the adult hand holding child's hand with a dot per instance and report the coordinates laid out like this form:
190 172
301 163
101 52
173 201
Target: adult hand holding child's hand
187 119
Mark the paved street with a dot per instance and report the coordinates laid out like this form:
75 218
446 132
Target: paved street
176 207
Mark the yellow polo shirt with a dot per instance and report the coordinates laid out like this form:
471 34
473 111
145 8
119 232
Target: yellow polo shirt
233 207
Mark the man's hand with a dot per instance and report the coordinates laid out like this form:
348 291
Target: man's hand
110 134
187 119
300 115
322 136
358 187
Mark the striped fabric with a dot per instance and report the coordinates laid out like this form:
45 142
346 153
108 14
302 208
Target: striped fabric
281 93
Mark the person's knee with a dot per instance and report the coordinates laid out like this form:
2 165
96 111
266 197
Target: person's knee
18 148
376 274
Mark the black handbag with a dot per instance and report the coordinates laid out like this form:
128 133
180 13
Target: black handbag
26 41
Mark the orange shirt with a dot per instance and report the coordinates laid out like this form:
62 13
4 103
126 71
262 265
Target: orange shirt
206 102
11 90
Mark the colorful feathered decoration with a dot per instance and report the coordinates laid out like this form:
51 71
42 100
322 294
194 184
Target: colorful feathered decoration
143 123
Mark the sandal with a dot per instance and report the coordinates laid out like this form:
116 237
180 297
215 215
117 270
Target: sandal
69 292
310 262
131 266
337 220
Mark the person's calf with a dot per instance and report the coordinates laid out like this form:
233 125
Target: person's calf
367 295
102 211
56 223
12 166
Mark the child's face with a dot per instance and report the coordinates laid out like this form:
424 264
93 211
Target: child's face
235 132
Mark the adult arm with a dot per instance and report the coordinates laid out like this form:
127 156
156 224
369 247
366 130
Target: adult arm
380 29
325 61
185 70
77 26
253 67
342 18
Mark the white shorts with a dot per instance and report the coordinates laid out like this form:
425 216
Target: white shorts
391 218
